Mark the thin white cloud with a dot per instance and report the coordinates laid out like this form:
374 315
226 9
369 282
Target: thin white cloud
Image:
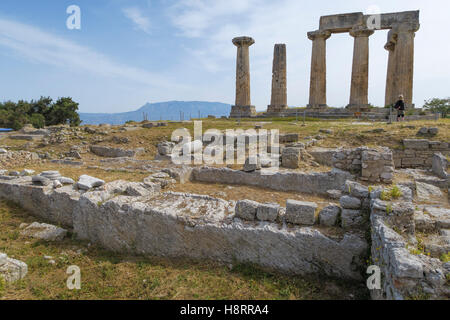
42 47
140 21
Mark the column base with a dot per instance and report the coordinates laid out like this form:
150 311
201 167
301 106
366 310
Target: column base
242 111
317 106
358 107
276 108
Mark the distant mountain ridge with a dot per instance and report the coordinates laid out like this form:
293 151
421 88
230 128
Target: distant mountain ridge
169 110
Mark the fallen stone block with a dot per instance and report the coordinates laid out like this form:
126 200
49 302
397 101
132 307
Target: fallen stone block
12 270
300 212
87 182
439 165
40 180
44 231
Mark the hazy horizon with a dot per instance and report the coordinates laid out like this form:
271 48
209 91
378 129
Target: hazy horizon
129 53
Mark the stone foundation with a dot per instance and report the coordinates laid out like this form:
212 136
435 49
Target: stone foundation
184 225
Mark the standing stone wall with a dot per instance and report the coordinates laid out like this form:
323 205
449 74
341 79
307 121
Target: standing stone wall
404 275
370 164
418 153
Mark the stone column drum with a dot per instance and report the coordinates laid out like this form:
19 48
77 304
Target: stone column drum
391 92
318 83
243 107
360 70
404 60
278 101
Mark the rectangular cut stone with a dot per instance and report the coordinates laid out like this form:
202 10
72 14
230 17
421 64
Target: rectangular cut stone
412 161
268 212
290 158
416 144
341 22
246 209
301 212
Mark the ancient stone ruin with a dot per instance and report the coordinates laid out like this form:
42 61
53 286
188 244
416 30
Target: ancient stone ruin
400 44
402 27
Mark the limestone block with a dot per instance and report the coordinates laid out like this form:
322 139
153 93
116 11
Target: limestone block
300 212
351 218
44 231
268 212
416 144
328 215
348 202
439 165
246 209
87 182
12 270
356 189
291 158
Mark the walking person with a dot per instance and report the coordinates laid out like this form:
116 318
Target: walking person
400 106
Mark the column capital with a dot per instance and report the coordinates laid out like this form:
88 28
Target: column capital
243 41
407 27
359 31
319 34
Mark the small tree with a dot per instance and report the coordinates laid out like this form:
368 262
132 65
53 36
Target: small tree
62 112
37 120
437 105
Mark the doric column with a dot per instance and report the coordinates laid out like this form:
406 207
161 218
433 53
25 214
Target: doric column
360 69
404 60
243 107
278 101
390 97
318 83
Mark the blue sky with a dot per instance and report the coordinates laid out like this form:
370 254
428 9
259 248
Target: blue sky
131 52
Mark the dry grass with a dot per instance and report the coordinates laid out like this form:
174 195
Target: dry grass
238 192
107 275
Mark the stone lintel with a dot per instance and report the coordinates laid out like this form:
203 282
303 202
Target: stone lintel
340 23
243 41
388 20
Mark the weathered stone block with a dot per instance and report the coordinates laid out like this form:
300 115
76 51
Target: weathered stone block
351 218
348 202
416 144
300 212
290 158
439 165
329 215
268 212
246 209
